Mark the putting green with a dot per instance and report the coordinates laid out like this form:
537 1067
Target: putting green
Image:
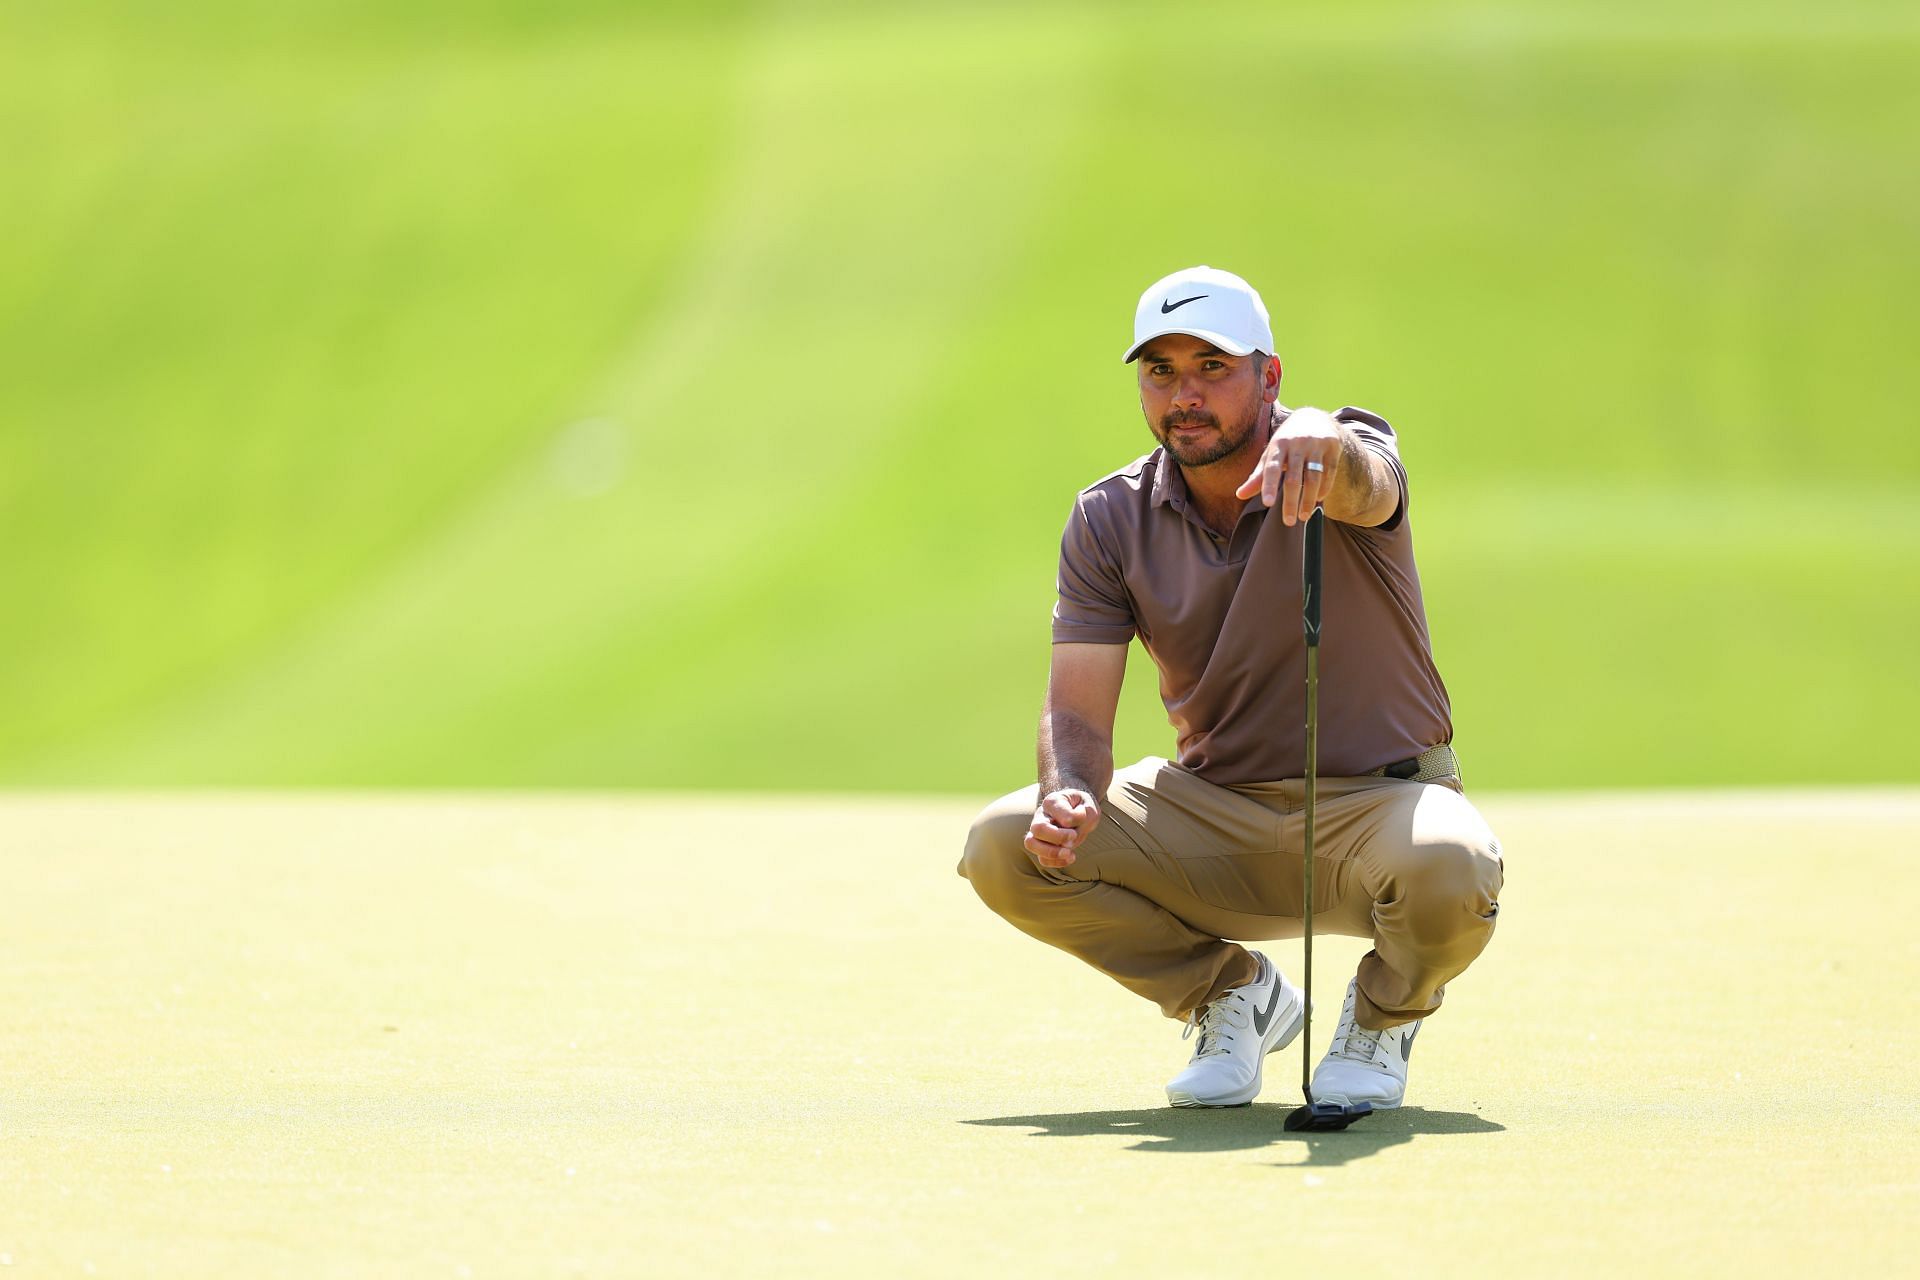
504 1036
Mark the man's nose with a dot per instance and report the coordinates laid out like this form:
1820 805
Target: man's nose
1186 392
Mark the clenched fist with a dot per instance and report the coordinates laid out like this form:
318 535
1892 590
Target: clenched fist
1063 820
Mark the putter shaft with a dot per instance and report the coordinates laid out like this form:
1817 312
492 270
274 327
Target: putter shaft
1310 620
1306 866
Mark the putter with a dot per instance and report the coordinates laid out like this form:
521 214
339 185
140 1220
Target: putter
1315 1117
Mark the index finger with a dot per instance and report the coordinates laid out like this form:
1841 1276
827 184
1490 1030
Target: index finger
1251 485
1052 832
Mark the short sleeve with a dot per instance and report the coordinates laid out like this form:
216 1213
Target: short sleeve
1378 436
1092 607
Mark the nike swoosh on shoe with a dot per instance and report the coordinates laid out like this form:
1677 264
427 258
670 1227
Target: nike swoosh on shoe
1264 1017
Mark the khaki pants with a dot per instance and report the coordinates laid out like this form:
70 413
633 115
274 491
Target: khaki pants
1178 864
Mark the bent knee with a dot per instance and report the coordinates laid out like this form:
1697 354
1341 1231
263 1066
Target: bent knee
1451 852
995 860
1466 870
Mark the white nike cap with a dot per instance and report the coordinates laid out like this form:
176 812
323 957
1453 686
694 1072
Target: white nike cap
1216 305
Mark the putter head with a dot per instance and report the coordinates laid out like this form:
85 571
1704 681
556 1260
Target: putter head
1326 1117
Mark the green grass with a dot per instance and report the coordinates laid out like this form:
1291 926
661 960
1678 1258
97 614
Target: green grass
737 1036
303 314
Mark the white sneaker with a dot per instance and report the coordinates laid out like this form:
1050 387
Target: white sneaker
1365 1066
1237 1032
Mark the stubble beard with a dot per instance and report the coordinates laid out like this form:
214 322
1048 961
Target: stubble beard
1226 442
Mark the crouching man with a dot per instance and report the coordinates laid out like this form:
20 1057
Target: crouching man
1145 873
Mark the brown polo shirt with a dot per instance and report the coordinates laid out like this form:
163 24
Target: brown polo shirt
1221 619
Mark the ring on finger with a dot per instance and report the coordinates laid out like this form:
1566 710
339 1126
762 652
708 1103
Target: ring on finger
1316 466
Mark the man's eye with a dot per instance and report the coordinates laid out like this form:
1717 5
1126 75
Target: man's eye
1162 370
1216 364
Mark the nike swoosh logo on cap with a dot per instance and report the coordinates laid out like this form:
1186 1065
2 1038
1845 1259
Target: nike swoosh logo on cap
1265 1016
1175 306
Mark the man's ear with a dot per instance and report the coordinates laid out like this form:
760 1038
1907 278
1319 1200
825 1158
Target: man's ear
1270 380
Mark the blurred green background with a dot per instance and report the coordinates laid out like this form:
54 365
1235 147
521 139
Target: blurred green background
690 395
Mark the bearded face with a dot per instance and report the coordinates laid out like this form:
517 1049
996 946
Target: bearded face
1202 404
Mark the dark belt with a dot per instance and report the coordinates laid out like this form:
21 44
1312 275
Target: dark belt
1434 762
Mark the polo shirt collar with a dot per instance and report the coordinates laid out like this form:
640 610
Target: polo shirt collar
1170 490
1169 486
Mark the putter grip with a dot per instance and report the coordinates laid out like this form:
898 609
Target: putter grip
1310 574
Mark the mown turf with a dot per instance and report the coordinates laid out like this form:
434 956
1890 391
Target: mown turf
462 1036
590 394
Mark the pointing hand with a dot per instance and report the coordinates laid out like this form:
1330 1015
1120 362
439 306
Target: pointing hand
1296 469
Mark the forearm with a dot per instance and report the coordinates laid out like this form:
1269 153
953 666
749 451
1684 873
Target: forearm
1074 755
1365 490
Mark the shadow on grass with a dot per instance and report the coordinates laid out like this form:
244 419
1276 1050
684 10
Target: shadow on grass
1249 1129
